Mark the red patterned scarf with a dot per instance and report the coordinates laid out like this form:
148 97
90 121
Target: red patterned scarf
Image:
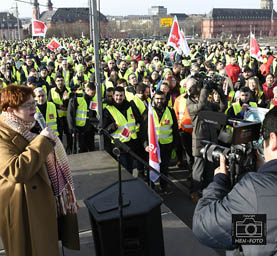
57 165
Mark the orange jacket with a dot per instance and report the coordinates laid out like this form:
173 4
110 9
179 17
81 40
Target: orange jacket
183 117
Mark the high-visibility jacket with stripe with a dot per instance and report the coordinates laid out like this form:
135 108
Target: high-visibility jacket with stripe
108 83
182 114
126 128
66 76
51 117
129 95
163 127
140 104
57 100
141 107
75 80
81 113
237 107
126 75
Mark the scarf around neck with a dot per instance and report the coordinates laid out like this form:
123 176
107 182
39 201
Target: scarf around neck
57 165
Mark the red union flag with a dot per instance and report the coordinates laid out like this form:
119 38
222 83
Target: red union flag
175 36
177 40
255 49
154 149
54 44
38 28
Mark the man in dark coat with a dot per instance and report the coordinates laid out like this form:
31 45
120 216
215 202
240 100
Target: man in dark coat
198 101
255 193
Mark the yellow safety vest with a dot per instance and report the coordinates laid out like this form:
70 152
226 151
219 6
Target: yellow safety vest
139 103
66 77
57 100
237 107
141 107
81 113
129 95
51 117
85 80
163 127
108 83
126 128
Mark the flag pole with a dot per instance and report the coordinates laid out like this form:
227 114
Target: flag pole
97 70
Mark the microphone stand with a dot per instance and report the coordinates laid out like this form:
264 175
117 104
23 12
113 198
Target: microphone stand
116 151
124 148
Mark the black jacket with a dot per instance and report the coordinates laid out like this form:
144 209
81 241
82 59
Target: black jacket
201 129
109 123
72 107
255 193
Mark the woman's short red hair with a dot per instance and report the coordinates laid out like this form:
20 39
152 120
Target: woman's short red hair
14 96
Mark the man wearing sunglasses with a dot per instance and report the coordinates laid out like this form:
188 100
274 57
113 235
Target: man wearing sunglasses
255 195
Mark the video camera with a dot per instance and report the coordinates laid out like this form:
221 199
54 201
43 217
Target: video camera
240 152
213 82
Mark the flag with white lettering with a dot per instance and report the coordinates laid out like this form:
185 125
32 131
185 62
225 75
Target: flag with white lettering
54 45
177 39
154 149
255 51
38 28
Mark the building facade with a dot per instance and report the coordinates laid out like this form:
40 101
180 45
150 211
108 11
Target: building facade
267 4
68 22
239 22
10 27
157 11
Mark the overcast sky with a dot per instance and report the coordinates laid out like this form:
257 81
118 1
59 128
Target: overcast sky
127 7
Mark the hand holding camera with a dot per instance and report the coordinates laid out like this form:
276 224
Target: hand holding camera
222 167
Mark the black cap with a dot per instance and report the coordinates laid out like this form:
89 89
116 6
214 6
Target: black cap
51 63
246 69
32 80
42 68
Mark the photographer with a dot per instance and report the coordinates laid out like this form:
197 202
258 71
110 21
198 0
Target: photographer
255 193
196 102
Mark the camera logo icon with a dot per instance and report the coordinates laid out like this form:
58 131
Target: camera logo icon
249 229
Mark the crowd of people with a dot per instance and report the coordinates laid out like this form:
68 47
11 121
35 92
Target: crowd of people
133 73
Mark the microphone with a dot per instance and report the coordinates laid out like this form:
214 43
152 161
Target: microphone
39 118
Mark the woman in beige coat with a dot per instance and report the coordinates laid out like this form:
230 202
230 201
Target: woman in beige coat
28 211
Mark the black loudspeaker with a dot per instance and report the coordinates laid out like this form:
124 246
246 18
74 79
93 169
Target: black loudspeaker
142 225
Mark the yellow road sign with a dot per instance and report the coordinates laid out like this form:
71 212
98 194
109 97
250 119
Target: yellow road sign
166 22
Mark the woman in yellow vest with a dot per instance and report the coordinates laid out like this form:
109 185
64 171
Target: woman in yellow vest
257 95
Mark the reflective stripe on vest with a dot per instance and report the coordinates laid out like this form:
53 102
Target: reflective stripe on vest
51 117
57 100
81 113
164 127
126 127
66 77
183 117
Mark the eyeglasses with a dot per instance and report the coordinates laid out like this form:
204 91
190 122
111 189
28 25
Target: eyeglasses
156 59
29 105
